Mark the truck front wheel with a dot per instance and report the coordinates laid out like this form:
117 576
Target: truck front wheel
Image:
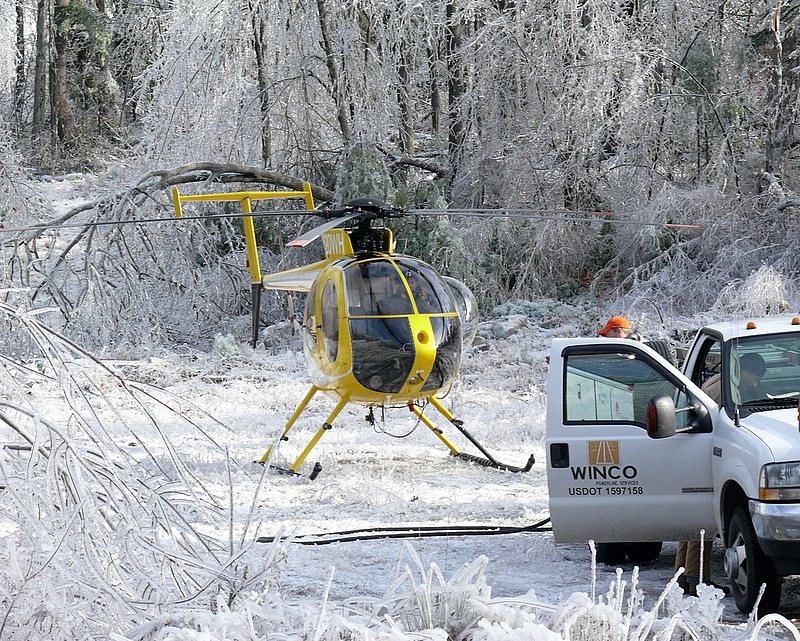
611 553
747 567
644 552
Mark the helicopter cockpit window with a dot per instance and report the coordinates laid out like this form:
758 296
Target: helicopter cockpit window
429 290
375 288
423 293
330 320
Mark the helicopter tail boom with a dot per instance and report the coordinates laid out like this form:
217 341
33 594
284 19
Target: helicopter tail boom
299 279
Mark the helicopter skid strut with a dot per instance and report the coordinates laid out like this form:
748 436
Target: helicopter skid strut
487 460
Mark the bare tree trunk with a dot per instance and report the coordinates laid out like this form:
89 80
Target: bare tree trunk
774 96
40 102
109 110
436 96
262 63
66 127
333 72
782 95
406 108
19 84
456 86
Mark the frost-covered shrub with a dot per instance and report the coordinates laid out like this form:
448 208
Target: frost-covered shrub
546 312
742 261
363 174
766 291
105 521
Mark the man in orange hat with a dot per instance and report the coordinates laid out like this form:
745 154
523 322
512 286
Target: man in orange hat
616 327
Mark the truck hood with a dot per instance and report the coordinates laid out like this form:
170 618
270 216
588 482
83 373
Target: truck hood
779 431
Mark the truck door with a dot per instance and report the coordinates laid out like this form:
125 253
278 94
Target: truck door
608 480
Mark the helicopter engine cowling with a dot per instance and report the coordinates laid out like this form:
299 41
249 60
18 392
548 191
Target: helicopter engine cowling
382 329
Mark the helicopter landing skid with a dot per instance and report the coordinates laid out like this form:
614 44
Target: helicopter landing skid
290 472
480 460
487 460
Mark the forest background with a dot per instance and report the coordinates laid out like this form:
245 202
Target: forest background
660 112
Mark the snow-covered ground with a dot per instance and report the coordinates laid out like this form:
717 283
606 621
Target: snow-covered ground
395 473
137 519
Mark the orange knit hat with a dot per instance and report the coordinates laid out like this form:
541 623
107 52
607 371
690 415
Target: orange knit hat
615 322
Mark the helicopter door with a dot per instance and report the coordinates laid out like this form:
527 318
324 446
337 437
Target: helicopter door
310 321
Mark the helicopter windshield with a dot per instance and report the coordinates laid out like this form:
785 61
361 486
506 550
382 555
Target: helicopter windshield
379 305
377 288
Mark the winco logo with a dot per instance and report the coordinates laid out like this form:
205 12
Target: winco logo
604 463
603 452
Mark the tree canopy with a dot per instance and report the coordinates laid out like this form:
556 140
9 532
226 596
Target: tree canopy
660 112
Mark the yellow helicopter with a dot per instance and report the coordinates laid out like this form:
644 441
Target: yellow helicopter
380 329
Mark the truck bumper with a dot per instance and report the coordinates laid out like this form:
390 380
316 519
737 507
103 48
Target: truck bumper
777 526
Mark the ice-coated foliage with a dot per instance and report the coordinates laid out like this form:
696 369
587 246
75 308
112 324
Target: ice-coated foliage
655 114
743 261
105 519
362 173
125 492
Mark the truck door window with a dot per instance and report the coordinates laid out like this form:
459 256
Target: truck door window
707 369
612 388
712 363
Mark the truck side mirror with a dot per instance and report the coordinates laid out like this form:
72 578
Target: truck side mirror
661 416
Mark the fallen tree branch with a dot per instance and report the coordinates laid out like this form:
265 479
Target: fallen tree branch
205 172
231 173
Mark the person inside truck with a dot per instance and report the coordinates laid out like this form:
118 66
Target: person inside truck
752 368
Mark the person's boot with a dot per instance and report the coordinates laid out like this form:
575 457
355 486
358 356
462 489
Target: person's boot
725 589
688 586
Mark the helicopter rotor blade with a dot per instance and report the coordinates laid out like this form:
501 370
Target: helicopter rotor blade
301 241
555 215
313 234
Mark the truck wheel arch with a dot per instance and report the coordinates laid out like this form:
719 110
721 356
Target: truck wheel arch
731 497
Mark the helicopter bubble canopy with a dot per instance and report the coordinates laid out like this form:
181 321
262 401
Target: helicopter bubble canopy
400 333
467 309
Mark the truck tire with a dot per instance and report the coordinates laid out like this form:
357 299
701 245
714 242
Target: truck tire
644 552
748 567
611 553
664 349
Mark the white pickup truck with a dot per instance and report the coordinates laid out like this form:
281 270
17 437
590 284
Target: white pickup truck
638 454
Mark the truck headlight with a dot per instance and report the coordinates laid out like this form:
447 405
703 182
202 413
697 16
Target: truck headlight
780 482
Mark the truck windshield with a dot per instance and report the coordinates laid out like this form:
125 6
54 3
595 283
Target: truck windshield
764 371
